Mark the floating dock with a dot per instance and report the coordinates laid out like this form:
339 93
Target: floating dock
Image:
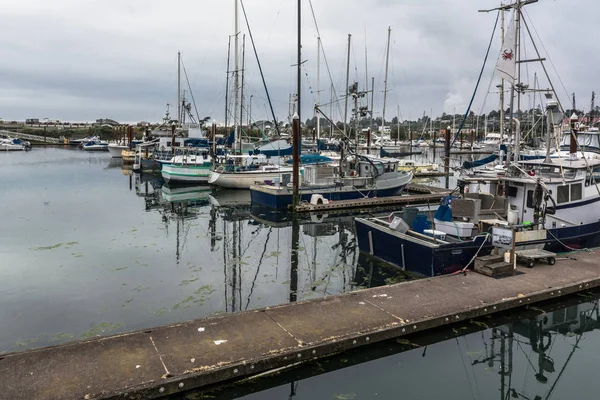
168 360
425 195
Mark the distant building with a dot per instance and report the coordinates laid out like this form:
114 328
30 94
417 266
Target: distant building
106 121
32 121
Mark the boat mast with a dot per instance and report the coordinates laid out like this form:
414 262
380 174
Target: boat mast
236 79
387 57
347 83
179 88
239 143
296 127
331 92
501 83
318 86
518 47
227 86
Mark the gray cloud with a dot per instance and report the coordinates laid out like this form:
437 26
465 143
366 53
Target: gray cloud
81 60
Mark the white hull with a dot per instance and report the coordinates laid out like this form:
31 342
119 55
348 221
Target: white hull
11 147
98 147
115 150
178 173
243 180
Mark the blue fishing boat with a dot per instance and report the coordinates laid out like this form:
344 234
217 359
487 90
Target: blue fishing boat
554 200
362 176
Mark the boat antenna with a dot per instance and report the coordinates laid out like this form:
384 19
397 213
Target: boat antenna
260 68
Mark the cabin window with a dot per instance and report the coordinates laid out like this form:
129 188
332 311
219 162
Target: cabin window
530 199
562 194
576 192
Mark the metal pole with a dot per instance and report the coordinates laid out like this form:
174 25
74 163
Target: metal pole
236 83
347 83
178 87
242 92
296 160
318 86
387 56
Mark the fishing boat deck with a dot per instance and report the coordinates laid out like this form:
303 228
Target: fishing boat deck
171 359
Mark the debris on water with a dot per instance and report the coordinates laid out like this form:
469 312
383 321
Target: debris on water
138 366
200 329
218 342
193 359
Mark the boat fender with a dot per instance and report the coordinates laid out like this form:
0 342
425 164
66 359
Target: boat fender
531 173
352 173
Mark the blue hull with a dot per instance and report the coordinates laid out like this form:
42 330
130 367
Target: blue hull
283 200
452 257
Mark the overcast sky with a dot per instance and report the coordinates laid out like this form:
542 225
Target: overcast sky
79 60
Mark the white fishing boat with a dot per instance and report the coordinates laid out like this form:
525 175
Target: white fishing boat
242 177
95 145
115 149
188 168
13 144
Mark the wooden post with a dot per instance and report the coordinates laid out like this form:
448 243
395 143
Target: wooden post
130 136
45 129
296 160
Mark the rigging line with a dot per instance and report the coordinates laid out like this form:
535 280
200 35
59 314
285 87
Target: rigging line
465 367
575 347
548 56
472 369
324 56
260 260
260 68
478 81
190 87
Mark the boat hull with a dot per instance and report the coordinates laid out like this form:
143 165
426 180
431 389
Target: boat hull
430 260
116 150
178 173
282 197
241 180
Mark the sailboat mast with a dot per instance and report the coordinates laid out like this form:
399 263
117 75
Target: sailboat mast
227 86
347 83
372 100
236 79
387 58
518 47
331 110
178 88
318 86
501 85
242 92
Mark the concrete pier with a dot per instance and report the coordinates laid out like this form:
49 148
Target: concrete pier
167 360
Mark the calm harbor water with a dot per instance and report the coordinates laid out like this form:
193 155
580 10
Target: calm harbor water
89 248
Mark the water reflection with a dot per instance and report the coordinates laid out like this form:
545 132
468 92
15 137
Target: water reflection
533 354
91 248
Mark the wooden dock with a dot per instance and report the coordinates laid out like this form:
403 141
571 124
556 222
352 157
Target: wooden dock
163 361
371 202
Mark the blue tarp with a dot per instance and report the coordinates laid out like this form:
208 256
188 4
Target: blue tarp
479 163
311 159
